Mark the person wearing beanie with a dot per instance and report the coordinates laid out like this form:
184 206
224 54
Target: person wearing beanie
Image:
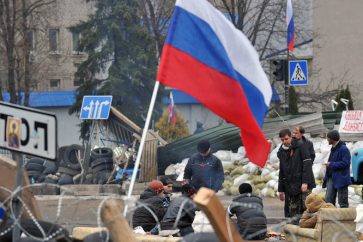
168 188
184 218
248 207
152 197
204 169
313 204
337 175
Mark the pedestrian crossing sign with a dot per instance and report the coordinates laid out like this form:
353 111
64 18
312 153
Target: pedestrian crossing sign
298 72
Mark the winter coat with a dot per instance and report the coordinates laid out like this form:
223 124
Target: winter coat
142 217
186 216
310 147
205 171
295 168
339 168
250 216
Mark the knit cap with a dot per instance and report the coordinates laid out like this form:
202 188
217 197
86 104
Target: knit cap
156 185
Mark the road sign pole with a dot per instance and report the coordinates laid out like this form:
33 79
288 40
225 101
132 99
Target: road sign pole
287 85
17 205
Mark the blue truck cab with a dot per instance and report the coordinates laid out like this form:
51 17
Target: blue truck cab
357 166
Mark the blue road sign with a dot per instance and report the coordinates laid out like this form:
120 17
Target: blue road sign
96 107
298 72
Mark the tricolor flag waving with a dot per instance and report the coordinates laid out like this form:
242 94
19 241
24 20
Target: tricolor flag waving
207 57
171 109
290 26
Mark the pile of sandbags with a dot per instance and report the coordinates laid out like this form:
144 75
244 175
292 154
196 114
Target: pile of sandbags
238 169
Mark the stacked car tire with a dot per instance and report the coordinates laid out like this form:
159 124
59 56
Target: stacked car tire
101 165
69 163
38 169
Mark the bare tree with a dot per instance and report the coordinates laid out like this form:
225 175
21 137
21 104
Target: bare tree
15 25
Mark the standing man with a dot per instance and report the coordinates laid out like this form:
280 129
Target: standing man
337 176
298 133
204 169
296 178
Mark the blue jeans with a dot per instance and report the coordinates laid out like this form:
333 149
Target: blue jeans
331 194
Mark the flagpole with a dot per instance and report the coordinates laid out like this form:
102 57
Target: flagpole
287 77
142 143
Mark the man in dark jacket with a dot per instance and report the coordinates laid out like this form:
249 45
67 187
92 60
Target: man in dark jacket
204 169
298 133
168 189
152 197
248 208
337 176
181 212
296 178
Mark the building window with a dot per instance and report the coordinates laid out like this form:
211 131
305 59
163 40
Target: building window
53 40
75 41
54 83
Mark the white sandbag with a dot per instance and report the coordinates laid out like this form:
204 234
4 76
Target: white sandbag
170 170
241 150
241 179
180 177
185 162
201 223
322 172
319 158
318 189
223 154
250 168
264 191
316 170
276 187
266 171
237 156
273 155
351 191
271 183
226 163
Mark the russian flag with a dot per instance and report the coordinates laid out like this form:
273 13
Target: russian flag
290 26
205 56
171 109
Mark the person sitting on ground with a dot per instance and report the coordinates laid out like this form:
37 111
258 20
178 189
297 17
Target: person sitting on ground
184 218
313 204
152 197
251 220
168 188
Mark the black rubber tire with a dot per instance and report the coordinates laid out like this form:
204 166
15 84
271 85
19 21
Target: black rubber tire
34 173
101 177
69 171
50 180
36 161
67 165
50 168
98 161
34 167
102 152
89 179
65 179
70 156
103 167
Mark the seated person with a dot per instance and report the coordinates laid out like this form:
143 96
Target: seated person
168 189
313 203
185 216
152 197
251 220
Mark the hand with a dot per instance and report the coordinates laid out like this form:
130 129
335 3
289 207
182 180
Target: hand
185 181
304 187
282 196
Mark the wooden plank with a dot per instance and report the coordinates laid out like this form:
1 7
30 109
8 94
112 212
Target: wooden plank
7 180
208 202
112 218
125 119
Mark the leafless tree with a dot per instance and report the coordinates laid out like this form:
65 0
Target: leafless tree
16 21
